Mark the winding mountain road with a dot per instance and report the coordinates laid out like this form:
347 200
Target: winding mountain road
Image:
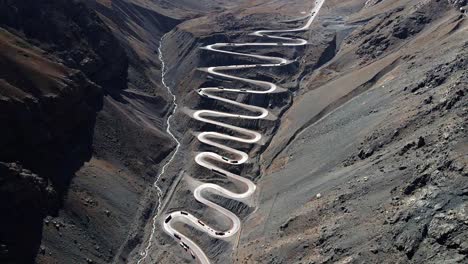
205 159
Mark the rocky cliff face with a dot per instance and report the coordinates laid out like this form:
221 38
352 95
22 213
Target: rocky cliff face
48 111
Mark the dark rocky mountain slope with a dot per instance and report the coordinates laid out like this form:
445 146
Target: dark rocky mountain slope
52 79
60 65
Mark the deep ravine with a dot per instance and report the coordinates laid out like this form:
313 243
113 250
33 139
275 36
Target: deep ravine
168 130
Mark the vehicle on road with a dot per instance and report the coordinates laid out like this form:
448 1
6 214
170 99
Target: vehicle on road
193 255
168 219
184 246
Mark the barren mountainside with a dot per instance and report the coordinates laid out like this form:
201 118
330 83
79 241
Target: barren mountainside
363 155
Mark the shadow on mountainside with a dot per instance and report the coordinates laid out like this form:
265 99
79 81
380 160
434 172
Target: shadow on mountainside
52 82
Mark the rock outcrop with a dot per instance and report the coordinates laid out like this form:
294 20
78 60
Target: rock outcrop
71 32
57 58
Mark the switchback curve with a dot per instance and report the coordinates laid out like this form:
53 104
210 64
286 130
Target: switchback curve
238 157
